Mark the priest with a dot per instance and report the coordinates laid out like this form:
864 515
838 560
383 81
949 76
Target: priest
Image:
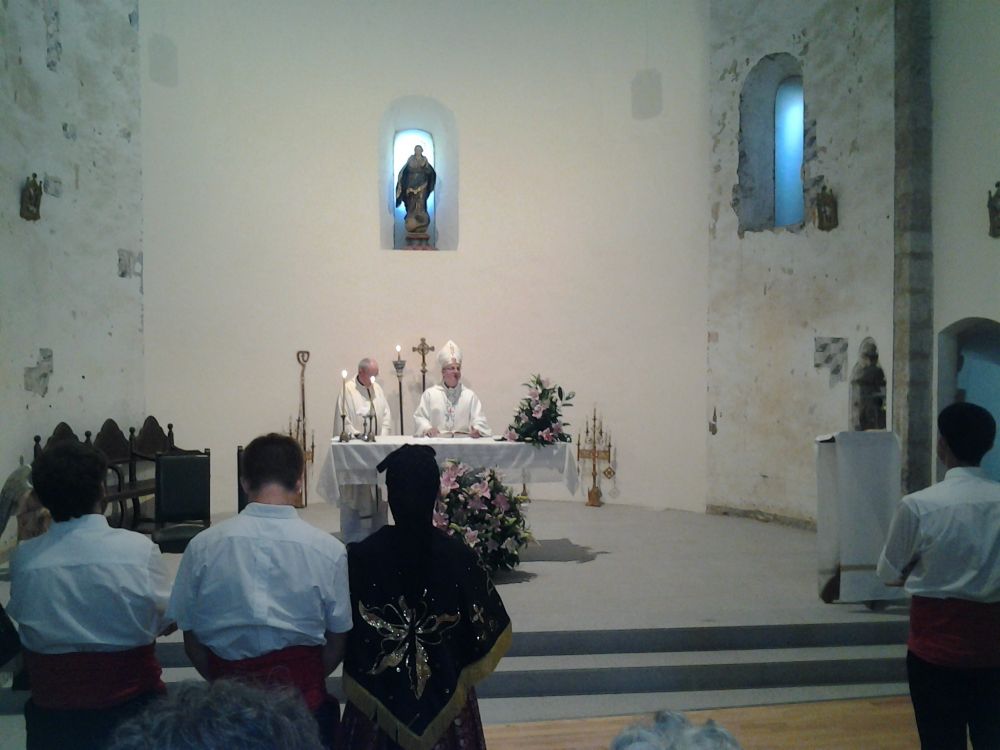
450 408
362 511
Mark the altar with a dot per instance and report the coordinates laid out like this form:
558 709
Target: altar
354 462
858 476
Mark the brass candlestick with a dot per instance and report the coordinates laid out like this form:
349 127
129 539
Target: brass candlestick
371 421
399 364
595 447
344 436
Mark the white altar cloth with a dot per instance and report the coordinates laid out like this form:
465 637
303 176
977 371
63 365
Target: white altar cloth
354 462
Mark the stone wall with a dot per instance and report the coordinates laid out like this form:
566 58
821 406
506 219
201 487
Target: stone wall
71 284
789 308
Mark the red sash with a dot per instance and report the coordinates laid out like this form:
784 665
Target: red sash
955 632
297 666
92 679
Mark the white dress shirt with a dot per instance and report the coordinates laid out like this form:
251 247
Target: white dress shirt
84 586
950 534
262 581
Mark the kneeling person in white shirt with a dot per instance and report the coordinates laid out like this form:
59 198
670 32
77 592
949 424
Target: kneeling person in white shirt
264 595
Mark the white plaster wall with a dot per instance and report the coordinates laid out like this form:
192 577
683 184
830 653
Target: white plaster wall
582 247
772 293
965 58
69 87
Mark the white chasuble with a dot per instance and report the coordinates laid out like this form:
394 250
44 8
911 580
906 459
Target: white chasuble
452 410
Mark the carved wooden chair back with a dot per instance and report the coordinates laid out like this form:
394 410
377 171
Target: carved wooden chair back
61 432
111 441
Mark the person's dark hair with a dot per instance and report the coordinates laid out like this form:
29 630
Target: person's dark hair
272 458
68 478
221 715
413 480
969 430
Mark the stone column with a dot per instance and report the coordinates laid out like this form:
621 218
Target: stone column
913 293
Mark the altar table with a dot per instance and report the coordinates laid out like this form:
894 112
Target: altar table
858 477
520 463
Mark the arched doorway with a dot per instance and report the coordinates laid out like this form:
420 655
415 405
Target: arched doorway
969 370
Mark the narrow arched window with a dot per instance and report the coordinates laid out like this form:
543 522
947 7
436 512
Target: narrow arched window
404 145
769 192
788 140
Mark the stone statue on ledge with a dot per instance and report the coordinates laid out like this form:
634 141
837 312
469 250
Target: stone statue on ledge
413 188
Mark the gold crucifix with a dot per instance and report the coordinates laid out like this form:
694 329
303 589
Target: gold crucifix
423 350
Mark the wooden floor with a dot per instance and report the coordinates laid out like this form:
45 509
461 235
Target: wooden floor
882 723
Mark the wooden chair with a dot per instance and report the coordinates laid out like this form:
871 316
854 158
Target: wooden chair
144 447
182 504
111 441
241 496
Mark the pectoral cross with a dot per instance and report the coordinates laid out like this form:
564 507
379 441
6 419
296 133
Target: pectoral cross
423 350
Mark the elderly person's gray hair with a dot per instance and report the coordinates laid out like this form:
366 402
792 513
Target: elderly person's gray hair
364 364
672 731
221 715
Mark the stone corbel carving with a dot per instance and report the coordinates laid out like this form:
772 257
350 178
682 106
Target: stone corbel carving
31 199
993 205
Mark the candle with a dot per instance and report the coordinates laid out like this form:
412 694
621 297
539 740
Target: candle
343 400
398 350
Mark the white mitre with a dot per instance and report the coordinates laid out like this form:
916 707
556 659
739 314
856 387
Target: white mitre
449 353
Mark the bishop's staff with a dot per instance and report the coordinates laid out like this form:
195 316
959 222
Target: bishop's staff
308 451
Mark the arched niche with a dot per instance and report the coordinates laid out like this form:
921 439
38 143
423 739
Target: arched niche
868 389
753 195
429 115
969 370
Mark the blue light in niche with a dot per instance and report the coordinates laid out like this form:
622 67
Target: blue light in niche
788 138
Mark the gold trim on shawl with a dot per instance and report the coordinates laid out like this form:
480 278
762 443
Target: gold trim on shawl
400 733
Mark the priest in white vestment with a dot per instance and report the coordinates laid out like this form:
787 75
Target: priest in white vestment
362 511
450 408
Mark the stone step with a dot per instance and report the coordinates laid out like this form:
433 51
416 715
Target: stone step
709 638
553 708
635 669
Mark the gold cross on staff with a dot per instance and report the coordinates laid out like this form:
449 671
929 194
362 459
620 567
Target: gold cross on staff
423 350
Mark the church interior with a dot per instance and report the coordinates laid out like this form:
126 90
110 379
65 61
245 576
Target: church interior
218 194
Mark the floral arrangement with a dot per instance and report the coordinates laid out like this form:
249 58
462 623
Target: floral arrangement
476 506
538 418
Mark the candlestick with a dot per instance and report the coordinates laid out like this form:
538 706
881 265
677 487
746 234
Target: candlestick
399 363
373 417
344 437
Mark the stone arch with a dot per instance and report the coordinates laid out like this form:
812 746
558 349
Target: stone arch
969 370
430 115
